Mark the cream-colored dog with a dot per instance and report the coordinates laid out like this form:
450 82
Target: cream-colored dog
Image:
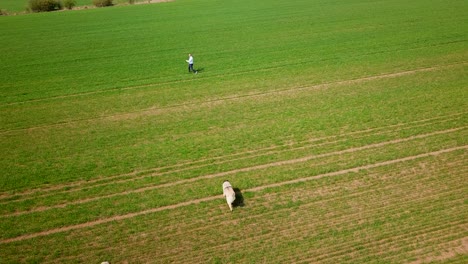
229 193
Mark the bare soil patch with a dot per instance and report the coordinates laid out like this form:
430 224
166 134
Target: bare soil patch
447 254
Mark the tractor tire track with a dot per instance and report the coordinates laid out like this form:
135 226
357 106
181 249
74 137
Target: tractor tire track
152 235
209 162
191 105
346 218
211 198
342 219
453 250
269 215
219 160
126 88
246 169
155 235
292 231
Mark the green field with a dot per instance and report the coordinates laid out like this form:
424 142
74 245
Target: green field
343 125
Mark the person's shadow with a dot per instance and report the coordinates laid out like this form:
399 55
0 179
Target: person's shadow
199 70
239 202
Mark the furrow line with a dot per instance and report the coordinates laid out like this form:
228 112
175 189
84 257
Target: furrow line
357 169
421 230
191 228
157 235
253 153
439 241
249 169
448 246
236 98
270 214
125 88
263 216
273 235
211 198
107 182
441 233
338 220
380 76
106 220
402 182
292 230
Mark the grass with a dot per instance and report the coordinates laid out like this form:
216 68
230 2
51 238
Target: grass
343 124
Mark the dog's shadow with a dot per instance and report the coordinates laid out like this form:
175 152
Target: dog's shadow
239 202
199 70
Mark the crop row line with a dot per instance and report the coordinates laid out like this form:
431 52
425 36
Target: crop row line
338 220
238 97
338 250
452 252
215 160
268 215
271 214
350 218
401 241
246 169
219 160
292 230
430 241
424 229
215 76
272 235
364 148
211 198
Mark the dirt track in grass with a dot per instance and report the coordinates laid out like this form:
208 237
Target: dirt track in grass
273 202
352 203
136 175
207 199
216 175
168 109
300 223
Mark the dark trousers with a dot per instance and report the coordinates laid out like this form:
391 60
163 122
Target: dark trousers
190 68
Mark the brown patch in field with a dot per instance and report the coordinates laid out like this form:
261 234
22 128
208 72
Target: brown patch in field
290 227
447 253
295 228
425 197
394 243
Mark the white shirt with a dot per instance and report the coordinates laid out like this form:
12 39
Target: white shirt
190 60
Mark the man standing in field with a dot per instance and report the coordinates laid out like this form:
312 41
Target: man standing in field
190 64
